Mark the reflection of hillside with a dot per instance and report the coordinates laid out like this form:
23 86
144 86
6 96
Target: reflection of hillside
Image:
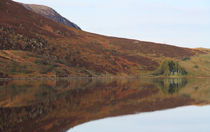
171 85
198 89
60 105
22 93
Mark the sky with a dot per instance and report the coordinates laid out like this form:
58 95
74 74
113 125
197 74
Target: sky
182 119
184 23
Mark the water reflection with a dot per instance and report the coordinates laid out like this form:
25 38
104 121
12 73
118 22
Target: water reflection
171 85
184 119
59 105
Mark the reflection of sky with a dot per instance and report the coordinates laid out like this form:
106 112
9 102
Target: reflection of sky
183 119
180 22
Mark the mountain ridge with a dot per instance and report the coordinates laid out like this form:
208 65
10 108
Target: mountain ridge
50 14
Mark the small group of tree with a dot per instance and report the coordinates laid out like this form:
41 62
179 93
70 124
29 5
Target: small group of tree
170 68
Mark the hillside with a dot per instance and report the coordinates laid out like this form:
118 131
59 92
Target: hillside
50 14
33 46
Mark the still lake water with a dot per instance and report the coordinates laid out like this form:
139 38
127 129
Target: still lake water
105 105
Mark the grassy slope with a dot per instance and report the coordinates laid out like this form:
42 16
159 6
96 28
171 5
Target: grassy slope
198 65
48 48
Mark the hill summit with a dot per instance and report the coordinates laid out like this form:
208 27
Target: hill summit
50 14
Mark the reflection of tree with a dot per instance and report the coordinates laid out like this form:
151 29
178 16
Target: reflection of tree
171 85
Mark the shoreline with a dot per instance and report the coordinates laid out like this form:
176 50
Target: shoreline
108 77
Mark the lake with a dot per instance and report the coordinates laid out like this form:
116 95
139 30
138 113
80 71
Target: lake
105 105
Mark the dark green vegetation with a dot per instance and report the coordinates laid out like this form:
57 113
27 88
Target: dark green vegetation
170 68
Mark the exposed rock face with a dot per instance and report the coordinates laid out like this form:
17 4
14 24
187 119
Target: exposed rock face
50 14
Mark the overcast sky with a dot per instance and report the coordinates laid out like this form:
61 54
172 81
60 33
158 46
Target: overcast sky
183 23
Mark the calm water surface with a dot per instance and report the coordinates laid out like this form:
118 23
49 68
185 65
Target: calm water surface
105 105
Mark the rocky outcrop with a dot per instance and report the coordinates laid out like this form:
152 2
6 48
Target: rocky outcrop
50 14
10 40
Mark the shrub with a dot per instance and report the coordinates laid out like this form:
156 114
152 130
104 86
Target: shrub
196 66
42 62
46 69
186 59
